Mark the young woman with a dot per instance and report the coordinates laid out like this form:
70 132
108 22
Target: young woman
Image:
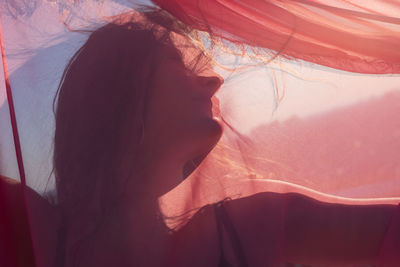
134 111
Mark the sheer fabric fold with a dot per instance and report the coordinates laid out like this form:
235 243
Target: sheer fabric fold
345 35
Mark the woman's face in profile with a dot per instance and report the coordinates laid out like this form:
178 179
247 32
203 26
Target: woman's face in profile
179 111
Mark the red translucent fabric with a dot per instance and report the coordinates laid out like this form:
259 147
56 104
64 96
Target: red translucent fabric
320 119
345 35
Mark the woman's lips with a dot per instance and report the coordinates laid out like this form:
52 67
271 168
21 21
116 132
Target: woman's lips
216 111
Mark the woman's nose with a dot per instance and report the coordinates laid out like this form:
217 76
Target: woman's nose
211 83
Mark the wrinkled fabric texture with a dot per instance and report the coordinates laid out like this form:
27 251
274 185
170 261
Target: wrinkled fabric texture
344 35
320 119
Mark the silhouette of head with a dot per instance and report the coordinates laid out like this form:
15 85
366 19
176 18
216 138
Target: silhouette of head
135 91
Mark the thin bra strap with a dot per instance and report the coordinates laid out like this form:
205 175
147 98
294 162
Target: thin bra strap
223 219
220 235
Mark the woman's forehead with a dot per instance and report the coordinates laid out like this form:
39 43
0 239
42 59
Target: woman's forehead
192 56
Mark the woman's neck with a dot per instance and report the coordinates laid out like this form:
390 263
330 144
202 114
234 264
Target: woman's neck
139 202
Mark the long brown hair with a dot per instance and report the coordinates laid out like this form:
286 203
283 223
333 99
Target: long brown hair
101 103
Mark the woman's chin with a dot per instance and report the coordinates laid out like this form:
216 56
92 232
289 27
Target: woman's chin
210 133
212 128
202 134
